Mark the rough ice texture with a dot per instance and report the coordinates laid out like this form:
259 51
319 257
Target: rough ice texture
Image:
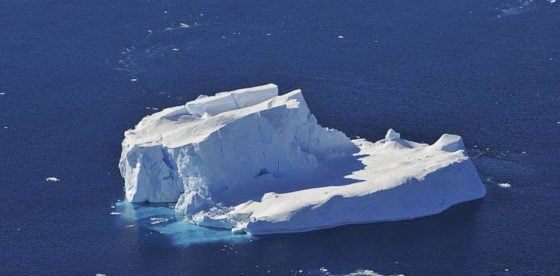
252 161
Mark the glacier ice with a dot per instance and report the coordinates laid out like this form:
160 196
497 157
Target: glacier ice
251 160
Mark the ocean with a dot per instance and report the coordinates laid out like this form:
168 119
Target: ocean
75 75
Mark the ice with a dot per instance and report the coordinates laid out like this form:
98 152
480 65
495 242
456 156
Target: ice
253 161
504 185
392 135
52 179
226 101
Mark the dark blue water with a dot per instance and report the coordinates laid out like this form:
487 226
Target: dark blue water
487 70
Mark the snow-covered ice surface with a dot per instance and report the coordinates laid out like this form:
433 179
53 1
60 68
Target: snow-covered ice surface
254 161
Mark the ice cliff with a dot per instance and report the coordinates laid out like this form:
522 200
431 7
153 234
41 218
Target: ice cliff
254 161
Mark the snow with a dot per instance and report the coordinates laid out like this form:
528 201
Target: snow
251 160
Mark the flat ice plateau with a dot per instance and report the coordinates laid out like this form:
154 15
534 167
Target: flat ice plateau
257 162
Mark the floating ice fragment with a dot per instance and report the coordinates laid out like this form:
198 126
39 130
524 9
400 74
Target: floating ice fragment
154 221
504 185
184 26
340 36
133 80
52 179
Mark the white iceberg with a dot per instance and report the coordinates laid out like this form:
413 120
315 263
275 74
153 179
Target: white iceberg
254 161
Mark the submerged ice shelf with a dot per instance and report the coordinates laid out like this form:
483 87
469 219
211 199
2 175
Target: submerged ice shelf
254 161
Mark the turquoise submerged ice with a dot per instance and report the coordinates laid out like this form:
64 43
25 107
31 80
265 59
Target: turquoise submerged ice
254 161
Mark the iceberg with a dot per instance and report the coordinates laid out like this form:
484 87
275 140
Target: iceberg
257 162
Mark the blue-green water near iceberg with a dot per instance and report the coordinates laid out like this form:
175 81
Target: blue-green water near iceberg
162 219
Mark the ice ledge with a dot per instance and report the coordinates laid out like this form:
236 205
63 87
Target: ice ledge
227 101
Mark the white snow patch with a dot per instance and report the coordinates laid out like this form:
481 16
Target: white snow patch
253 161
52 179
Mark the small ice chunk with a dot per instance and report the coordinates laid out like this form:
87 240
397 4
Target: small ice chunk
116 213
340 36
2 93
392 135
133 80
154 221
52 179
504 185
184 26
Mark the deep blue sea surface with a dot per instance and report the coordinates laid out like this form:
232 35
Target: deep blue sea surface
74 75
